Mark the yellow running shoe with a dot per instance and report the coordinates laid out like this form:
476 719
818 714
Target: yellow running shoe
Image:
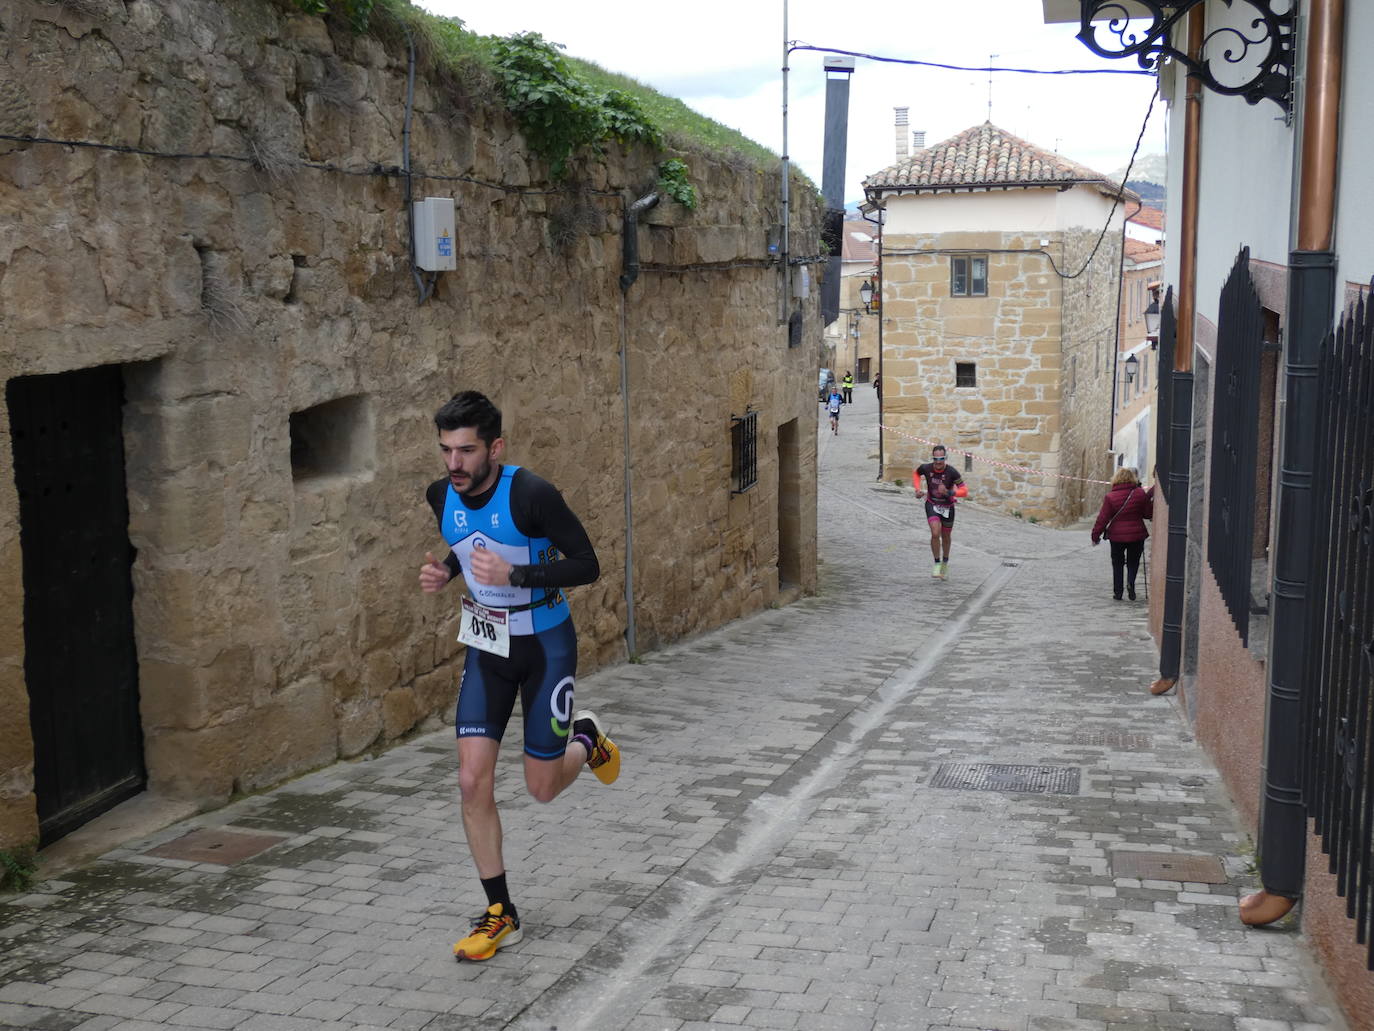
493 930
605 756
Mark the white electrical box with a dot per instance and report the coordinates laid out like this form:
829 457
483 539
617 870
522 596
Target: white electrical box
801 282
436 236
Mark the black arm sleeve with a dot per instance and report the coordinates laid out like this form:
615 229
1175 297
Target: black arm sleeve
540 511
435 494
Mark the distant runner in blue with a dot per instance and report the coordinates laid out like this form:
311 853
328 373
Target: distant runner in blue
517 545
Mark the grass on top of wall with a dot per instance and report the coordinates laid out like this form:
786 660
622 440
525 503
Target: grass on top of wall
466 61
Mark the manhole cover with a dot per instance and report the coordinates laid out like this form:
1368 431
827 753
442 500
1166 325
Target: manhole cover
1113 739
1036 780
1168 866
216 845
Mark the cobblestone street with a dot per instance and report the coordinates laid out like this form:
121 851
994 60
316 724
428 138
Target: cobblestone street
818 826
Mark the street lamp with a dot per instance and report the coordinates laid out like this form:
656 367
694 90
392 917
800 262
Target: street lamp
1132 365
866 295
1152 320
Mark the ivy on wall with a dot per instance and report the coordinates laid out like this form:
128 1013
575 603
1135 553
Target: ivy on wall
558 112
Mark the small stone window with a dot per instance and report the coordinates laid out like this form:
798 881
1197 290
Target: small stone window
332 440
744 451
968 275
965 374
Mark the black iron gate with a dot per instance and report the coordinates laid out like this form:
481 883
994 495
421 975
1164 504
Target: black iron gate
79 658
1338 786
1235 439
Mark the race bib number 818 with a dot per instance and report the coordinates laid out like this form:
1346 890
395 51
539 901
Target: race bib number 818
485 628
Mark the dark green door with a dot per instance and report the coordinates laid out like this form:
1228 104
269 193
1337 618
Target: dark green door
79 657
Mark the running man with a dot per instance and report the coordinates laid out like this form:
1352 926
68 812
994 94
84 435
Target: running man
516 543
833 407
941 482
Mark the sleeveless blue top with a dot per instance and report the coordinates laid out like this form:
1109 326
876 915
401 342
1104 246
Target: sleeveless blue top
493 527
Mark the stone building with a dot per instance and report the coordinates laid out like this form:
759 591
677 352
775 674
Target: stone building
220 375
1137 366
851 341
1000 266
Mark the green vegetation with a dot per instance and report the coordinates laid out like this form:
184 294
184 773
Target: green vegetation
564 105
558 112
18 867
672 180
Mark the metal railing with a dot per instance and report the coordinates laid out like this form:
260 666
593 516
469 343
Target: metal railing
1235 441
1338 697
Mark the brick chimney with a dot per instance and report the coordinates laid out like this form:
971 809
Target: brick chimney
901 131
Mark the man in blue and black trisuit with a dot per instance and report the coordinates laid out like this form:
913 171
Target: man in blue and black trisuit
517 544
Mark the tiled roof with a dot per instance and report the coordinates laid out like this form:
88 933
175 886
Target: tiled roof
858 243
985 156
1151 218
1139 251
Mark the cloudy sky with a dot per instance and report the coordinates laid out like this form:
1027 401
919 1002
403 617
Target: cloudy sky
724 58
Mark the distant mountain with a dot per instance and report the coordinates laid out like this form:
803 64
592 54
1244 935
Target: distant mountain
1149 168
1151 193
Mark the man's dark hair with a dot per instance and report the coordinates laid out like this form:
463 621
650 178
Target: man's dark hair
470 408
940 448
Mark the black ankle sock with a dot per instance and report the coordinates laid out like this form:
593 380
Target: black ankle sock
496 890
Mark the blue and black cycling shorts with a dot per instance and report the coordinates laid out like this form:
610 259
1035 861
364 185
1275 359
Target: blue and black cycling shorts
541 668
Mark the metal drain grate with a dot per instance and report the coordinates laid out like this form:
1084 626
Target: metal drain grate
216 845
1168 866
1035 780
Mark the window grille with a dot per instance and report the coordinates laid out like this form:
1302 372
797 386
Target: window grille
965 374
744 455
1235 438
1338 690
968 275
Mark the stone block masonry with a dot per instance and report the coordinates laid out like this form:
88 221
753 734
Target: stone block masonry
279 376
1041 393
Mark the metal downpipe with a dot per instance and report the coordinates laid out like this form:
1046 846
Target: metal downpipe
1181 425
1311 303
629 246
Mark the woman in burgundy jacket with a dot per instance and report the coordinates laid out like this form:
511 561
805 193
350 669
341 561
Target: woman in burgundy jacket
1122 521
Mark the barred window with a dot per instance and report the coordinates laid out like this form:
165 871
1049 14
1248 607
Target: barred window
965 374
744 455
968 275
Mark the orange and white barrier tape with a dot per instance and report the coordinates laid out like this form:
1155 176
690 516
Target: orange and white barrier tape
991 461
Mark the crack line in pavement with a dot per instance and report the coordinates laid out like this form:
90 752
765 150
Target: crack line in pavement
681 911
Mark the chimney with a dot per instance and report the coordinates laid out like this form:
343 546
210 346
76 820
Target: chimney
901 131
918 140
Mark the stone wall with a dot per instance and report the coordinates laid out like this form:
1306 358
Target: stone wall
1088 343
278 621
1012 335
1042 398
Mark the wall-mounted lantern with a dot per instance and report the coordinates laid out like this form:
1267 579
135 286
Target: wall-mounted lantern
1132 366
866 295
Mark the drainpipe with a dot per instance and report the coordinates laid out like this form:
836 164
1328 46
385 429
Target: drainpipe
629 249
1311 301
882 383
1181 420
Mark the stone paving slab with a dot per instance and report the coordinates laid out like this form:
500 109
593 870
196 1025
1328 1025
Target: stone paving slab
774 855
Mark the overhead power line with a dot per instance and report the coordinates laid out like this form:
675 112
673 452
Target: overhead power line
796 45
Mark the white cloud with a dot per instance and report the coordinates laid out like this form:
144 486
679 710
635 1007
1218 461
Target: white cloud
724 58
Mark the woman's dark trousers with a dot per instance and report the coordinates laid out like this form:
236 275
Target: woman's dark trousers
1125 554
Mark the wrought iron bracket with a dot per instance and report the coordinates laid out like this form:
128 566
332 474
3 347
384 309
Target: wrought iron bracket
1264 52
